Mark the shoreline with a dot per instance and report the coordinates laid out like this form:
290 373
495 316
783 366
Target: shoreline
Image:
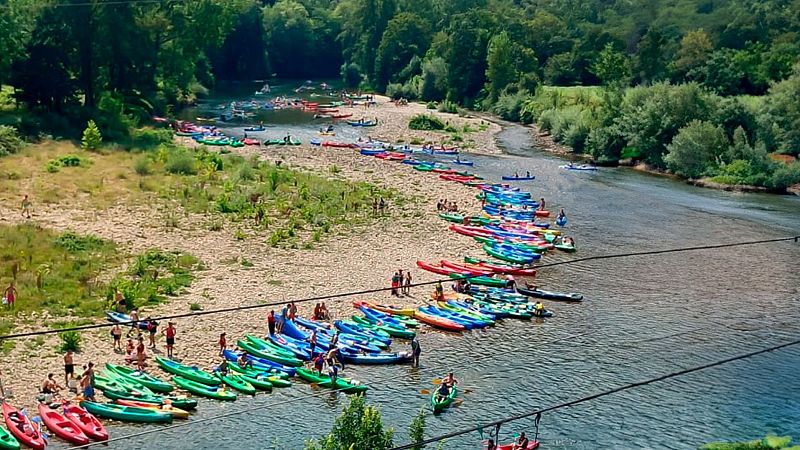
347 260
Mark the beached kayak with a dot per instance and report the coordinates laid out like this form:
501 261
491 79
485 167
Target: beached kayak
86 421
440 404
177 413
498 267
387 309
342 384
480 280
143 378
7 440
551 295
376 358
354 123
124 319
266 352
190 372
569 248
262 365
258 380
392 330
61 426
438 322
127 413
16 423
237 382
216 392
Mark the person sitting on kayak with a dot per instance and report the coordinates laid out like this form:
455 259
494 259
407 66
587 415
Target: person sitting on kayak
243 362
522 442
439 294
528 174
450 380
541 204
443 392
561 215
538 308
568 241
319 363
222 368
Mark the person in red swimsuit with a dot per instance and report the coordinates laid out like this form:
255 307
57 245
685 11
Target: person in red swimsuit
10 295
170 333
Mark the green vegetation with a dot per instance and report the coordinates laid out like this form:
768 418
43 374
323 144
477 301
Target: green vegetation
70 341
92 139
54 165
359 426
768 443
425 122
153 276
10 141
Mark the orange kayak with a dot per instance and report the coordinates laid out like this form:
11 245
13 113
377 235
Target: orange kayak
438 322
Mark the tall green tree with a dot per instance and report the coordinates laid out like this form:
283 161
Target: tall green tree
500 70
694 150
611 66
407 35
694 50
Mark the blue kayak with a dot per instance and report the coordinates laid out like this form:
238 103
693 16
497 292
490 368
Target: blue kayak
516 178
262 364
123 318
361 332
463 162
467 322
291 345
376 358
320 327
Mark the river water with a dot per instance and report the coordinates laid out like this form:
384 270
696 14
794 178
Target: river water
643 317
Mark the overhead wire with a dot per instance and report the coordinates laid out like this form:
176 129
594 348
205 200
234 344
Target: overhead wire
341 295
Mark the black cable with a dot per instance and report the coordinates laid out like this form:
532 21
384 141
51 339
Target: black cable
373 291
596 396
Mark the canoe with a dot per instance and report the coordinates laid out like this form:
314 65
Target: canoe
116 317
343 384
7 440
377 358
33 440
127 413
259 380
336 144
177 413
582 167
387 309
190 372
86 421
550 295
438 322
513 178
268 353
354 123
438 404
61 426
532 445
143 378
204 390
262 365
480 280
236 382
255 129
435 268
292 141
463 162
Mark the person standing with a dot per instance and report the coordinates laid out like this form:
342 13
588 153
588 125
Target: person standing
26 207
119 299
10 295
416 351
312 342
408 283
69 367
400 278
152 329
87 383
134 322
223 344
116 333
271 322
395 283
170 333
140 355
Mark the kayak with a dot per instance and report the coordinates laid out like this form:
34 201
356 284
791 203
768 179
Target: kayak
438 322
582 167
382 318
236 382
342 384
190 372
501 268
376 358
267 353
14 420
143 378
516 178
569 248
561 221
61 426
255 129
480 280
509 257
87 422
469 321
532 445
354 123
116 317
259 380
127 413
391 329
177 413
204 390
463 162
292 141
7 440
336 144
550 295
262 365
438 404
435 268
387 309
356 329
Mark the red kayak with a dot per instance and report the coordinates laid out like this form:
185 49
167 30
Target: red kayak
438 322
435 268
61 426
337 144
249 141
391 156
497 268
22 428
445 171
541 213
341 116
473 270
86 422
531 446
470 231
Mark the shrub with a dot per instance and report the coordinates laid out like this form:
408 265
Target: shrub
142 166
425 122
575 136
784 177
695 148
195 307
149 138
181 162
448 107
509 106
394 91
10 142
70 341
92 139
431 105
359 427
546 119
351 74
53 166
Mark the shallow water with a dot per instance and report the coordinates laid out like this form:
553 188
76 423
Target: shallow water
643 317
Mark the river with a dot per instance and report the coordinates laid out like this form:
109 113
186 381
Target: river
643 317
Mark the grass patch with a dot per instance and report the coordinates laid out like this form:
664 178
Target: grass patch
195 307
275 283
425 122
153 276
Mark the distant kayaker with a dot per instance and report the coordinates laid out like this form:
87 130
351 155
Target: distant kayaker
561 215
538 309
223 343
443 392
416 351
528 174
116 333
450 380
271 322
170 333
69 367
522 442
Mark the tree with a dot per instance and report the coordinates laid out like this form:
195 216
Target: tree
351 75
406 36
694 50
722 72
92 139
651 52
561 70
611 66
500 70
780 118
466 55
434 79
289 39
416 430
358 427
695 148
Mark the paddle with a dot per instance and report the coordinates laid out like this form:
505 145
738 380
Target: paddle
424 392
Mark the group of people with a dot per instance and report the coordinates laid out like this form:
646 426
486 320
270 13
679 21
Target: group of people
521 443
378 206
447 206
321 312
51 389
401 283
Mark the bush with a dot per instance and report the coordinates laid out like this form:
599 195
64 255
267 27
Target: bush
10 142
394 91
150 138
55 165
92 139
359 427
142 166
425 122
785 176
181 162
195 307
575 136
448 107
695 148
509 106
546 119
431 105
70 341
351 75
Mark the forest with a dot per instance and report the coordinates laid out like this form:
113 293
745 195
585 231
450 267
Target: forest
704 88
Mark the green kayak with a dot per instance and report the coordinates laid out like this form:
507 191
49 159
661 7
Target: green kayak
403 333
423 168
109 382
263 343
438 404
292 141
127 413
143 378
481 280
452 217
204 390
342 384
267 352
190 372
7 441
500 255
237 382
570 248
275 380
180 401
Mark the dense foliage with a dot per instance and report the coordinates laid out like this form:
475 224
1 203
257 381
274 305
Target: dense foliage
768 443
359 426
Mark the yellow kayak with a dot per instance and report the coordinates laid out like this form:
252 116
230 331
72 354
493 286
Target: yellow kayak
176 412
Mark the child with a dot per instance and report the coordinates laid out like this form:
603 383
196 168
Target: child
223 344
